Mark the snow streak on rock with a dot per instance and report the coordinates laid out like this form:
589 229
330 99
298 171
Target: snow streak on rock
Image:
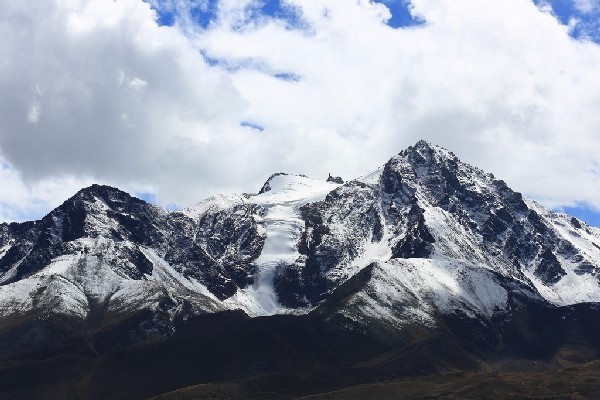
283 225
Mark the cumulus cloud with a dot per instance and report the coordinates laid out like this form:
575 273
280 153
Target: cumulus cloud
100 92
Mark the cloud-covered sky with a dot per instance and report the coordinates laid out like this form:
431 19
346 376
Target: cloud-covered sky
176 100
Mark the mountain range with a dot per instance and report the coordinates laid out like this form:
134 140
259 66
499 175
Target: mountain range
426 268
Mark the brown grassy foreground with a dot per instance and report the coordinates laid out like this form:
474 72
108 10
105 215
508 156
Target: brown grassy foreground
579 382
571 383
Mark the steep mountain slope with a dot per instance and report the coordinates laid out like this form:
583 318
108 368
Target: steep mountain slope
281 198
459 230
438 237
103 257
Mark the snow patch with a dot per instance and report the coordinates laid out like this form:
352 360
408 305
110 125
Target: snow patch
293 190
213 204
371 178
4 250
283 226
403 291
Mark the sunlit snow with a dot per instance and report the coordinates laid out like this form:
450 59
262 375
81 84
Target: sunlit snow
284 227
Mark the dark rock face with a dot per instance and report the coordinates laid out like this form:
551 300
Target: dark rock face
23 238
217 250
482 205
418 241
335 179
586 267
549 269
325 250
483 221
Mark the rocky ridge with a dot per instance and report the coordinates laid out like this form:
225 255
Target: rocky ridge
424 236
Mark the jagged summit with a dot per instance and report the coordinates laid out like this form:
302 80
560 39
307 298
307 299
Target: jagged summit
104 199
425 152
426 145
99 190
423 144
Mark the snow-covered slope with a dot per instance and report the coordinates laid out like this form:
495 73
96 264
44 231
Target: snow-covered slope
423 218
437 235
104 256
405 291
281 199
426 204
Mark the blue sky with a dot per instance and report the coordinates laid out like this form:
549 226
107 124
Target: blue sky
206 12
583 15
584 213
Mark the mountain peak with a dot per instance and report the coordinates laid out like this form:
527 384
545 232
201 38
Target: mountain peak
93 208
112 197
268 184
424 144
428 150
101 190
424 160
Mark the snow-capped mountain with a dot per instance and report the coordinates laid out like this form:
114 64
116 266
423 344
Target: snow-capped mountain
440 236
425 235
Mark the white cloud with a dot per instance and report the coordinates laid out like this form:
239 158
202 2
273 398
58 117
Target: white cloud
587 6
138 84
121 100
501 83
33 116
21 200
97 89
